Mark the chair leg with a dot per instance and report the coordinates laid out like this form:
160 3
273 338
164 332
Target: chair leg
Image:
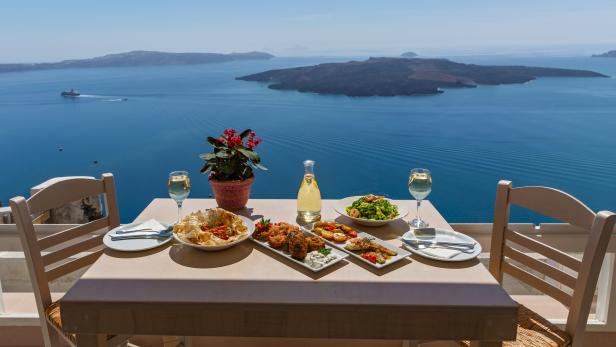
51 337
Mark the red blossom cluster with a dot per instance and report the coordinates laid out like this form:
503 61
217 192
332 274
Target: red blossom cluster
232 139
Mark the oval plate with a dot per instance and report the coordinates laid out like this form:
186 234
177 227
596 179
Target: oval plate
247 222
437 234
341 205
133 245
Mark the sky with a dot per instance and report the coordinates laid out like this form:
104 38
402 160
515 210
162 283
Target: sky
36 31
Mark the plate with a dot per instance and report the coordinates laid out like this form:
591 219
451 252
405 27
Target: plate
247 222
341 205
340 255
133 245
442 254
402 253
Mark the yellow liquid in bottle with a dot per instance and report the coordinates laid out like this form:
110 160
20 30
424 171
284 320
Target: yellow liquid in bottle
309 199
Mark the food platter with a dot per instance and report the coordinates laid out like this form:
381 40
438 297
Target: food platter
341 207
288 240
361 245
212 230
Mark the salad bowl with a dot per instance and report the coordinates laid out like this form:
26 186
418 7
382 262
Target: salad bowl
341 207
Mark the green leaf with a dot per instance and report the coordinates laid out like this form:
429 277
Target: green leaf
206 168
245 133
249 154
214 142
222 154
259 166
207 156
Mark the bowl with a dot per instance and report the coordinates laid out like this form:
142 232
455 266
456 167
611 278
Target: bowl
341 205
247 222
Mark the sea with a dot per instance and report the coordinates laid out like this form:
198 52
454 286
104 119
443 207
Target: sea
140 123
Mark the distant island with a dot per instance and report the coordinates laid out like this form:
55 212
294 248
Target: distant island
139 58
610 54
399 76
408 55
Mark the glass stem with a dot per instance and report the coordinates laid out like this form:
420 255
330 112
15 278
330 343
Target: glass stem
418 208
179 211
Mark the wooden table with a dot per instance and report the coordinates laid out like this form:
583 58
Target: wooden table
250 291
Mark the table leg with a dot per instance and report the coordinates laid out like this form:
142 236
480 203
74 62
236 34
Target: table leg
89 340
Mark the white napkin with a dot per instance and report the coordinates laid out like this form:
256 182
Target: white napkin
151 226
435 251
441 252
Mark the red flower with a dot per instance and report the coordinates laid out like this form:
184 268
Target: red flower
229 133
221 139
234 141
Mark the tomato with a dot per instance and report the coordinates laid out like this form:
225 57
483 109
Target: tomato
369 256
329 227
352 234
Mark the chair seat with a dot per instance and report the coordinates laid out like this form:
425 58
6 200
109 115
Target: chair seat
54 317
535 331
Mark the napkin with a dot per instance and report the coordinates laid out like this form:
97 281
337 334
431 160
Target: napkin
441 252
149 227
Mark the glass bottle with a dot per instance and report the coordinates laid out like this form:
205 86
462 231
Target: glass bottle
309 196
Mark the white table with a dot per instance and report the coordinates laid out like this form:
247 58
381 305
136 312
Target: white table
251 292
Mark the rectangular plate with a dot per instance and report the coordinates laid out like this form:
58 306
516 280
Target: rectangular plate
337 253
402 253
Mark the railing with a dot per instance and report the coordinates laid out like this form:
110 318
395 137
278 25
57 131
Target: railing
15 290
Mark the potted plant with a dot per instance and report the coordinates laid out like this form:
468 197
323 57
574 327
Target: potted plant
230 167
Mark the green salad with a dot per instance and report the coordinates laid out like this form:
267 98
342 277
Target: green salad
372 207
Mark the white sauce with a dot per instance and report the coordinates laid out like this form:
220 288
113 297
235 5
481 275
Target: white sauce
317 260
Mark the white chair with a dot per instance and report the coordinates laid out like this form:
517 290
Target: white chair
508 245
53 256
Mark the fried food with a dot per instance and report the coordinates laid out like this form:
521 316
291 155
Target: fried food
298 246
370 250
278 234
334 231
315 243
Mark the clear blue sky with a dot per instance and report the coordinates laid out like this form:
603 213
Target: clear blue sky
53 30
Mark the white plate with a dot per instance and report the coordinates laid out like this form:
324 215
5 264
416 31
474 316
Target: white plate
401 252
133 245
441 235
247 222
340 255
341 205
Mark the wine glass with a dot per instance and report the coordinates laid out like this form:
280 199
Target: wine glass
420 186
179 188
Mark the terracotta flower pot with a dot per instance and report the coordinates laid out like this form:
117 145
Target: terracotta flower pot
231 195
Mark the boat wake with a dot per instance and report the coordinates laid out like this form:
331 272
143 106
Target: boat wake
102 98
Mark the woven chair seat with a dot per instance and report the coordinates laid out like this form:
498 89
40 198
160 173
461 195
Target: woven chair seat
535 331
54 317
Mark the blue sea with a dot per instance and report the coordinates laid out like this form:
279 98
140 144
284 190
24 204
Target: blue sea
558 132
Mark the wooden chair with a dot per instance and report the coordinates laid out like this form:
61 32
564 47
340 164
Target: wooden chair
534 330
61 246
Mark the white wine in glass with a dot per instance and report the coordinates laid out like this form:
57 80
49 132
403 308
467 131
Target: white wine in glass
179 188
420 186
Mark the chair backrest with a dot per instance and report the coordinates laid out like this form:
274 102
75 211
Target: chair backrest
562 206
67 243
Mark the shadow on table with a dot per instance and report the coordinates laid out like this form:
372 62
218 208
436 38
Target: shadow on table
118 254
382 271
195 258
445 264
299 268
248 213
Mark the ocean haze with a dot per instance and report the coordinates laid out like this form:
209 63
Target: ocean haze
35 31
